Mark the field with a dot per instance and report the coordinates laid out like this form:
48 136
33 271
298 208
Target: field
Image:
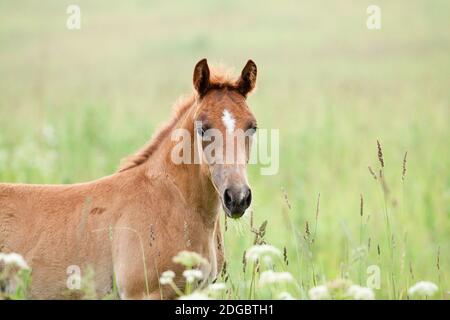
73 103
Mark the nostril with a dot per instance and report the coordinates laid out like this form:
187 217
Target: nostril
248 198
227 198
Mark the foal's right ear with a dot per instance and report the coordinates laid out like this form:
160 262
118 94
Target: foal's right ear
201 77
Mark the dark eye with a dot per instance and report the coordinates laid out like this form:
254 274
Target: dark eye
252 129
201 130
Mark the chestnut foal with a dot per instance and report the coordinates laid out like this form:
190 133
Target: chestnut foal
129 225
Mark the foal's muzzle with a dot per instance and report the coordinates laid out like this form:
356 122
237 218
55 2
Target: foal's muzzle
236 201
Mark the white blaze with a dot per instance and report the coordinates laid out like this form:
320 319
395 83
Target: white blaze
228 121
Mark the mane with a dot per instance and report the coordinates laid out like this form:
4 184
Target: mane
220 77
179 109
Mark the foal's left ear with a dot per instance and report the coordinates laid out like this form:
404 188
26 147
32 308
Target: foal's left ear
247 81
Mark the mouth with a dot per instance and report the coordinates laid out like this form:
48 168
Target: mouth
233 215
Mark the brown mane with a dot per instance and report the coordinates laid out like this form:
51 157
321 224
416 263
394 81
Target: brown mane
220 78
180 107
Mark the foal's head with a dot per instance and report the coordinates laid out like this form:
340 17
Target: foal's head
224 128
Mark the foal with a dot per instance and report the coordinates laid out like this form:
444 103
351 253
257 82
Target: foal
129 225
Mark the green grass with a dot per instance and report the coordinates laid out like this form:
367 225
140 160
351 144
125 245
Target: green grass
331 86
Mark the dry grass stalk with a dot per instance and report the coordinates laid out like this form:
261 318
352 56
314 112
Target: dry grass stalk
286 199
372 173
438 264
317 207
361 206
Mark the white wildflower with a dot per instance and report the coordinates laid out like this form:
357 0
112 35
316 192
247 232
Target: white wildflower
423 288
217 287
257 252
270 277
319 293
14 259
194 296
167 277
285 296
192 275
189 259
165 281
360 293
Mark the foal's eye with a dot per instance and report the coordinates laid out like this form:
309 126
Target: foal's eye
252 129
201 131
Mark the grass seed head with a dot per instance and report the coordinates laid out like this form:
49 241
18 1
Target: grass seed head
361 206
404 166
380 154
285 257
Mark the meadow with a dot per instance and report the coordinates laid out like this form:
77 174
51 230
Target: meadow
74 103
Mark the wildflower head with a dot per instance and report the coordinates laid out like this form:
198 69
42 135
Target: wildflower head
14 274
258 252
167 277
195 296
192 274
319 293
360 293
423 288
189 259
272 277
216 289
13 259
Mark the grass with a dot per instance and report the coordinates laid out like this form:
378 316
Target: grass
73 103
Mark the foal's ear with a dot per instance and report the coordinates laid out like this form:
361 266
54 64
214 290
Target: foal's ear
247 81
201 77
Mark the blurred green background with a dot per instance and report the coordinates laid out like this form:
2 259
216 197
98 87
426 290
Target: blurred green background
73 103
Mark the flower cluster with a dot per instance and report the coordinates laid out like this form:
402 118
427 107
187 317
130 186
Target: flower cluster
272 277
167 277
423 288
258 252
340 289
14 275
189 259
14 259
360 293
196 295
192 274
216 287
319 293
